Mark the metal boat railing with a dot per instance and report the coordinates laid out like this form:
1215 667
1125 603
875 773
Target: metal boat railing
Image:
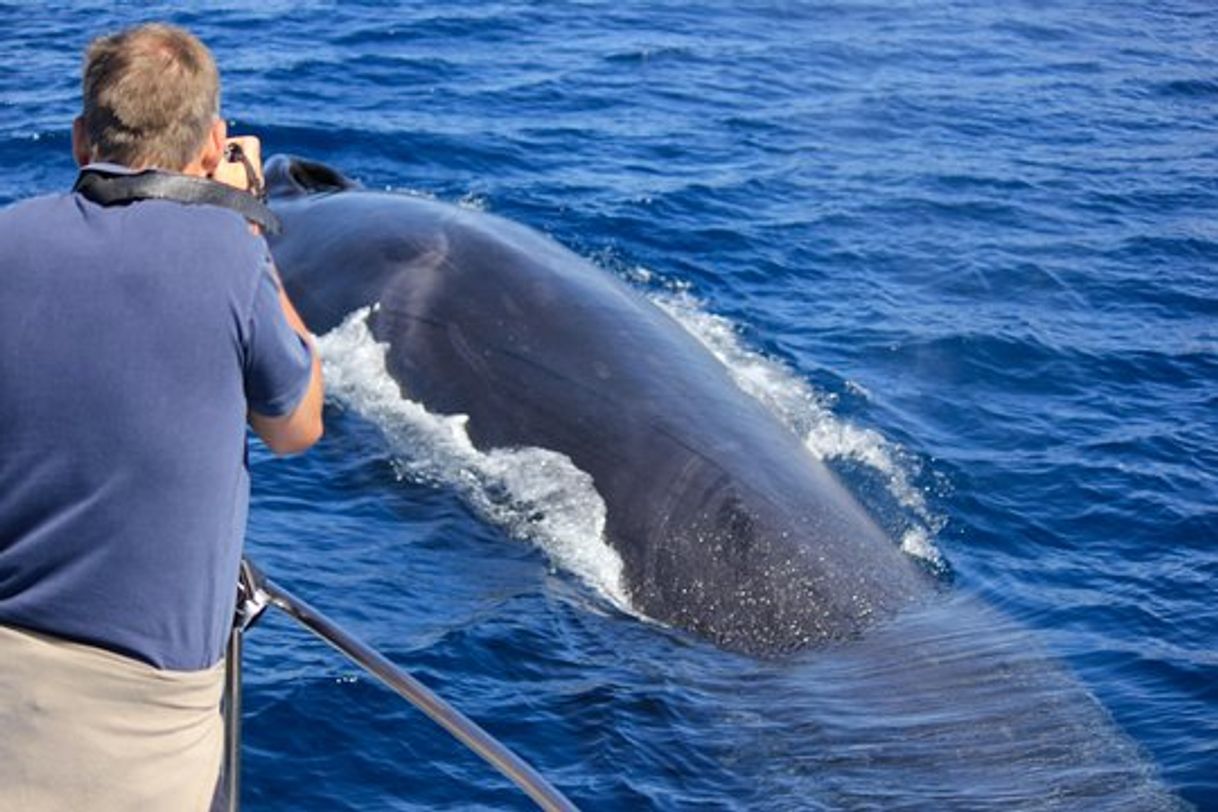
257 592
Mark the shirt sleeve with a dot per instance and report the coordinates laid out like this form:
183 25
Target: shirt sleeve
278 362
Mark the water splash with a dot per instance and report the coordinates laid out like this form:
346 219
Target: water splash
808 414
534 494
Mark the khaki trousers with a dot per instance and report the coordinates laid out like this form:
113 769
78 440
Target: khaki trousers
86 730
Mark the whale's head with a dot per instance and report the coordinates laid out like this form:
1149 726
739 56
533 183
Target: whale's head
288 176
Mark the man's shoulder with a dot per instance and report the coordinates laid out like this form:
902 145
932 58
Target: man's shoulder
33 206
209 216
211 240
206 244
33 217
159 212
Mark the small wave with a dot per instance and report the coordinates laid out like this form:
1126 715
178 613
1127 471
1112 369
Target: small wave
644 54
534 494
1187 88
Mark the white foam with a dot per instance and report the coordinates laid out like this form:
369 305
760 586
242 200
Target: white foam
534 494
809 414
473 201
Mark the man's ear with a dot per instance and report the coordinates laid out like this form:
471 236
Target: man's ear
213 150
81 149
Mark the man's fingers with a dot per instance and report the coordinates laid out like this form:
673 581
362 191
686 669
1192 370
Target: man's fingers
252 148
234 173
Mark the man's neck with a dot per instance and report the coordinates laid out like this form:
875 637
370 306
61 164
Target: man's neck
194 168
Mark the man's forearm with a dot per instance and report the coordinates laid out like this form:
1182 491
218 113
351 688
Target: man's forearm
295 432
315 395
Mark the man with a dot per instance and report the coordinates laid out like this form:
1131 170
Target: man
136 342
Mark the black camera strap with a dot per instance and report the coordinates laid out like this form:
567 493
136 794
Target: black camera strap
109 188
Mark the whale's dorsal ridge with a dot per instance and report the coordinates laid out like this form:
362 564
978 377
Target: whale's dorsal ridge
291 176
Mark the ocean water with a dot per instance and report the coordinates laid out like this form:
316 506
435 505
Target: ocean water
965 250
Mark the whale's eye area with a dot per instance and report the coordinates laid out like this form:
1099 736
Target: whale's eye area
318 177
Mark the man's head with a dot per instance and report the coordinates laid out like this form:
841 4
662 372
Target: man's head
151 99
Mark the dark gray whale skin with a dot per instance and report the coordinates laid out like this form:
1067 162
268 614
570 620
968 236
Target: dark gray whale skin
726 525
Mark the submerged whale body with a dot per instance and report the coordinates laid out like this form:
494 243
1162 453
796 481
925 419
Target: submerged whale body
726 525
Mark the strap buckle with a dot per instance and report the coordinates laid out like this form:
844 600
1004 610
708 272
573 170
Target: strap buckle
252 599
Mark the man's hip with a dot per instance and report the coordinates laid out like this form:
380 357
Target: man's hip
84 728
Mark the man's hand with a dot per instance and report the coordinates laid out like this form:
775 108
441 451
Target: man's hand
234 173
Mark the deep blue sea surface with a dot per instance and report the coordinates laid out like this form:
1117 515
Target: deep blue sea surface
967 250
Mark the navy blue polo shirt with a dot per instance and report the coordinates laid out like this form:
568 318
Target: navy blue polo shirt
134 339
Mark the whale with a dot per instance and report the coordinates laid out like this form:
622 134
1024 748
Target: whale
727 526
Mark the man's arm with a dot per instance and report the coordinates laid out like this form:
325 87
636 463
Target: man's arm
297 431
